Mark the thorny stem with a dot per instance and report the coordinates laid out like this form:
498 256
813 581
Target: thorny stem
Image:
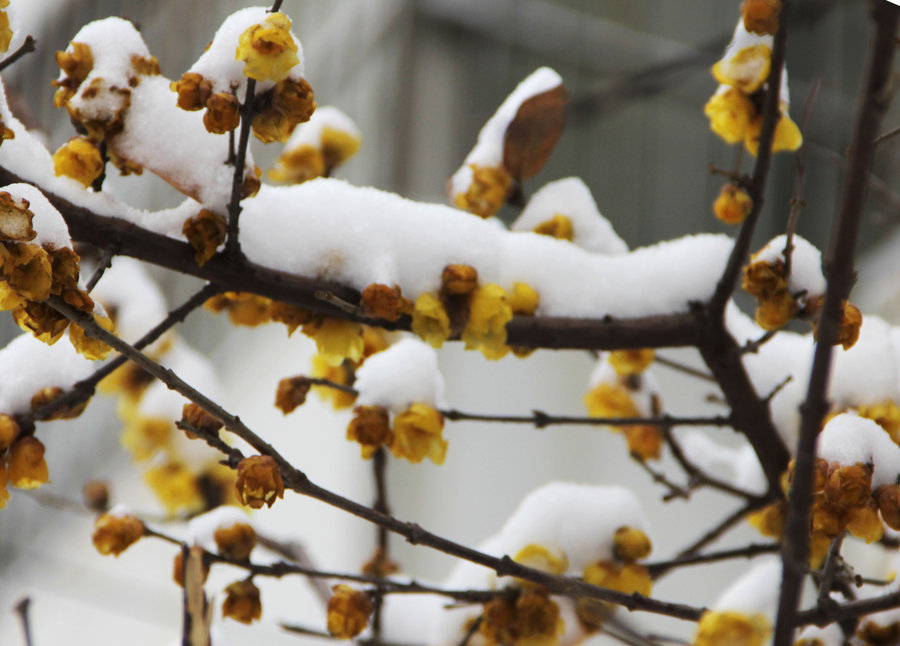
298 481
84 389
233 244
25 48
840 274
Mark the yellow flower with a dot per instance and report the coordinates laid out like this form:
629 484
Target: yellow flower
267 49
298 165
258 481
787 134
222 113
487 192
193 91
192 414
418 434
383 302
45 323
75 66
370 427
531 620
289 315
851 322
28 271
242 602
205 232
769 520
732 205
524 299
489 312
644 440
886 414
337 146
9 431
6 33
15 219
430 320
243 308
849 485
348 612
631 362
4 482
559 226
79 159
115 534
336 339
761 16
728 628
235 542
341 374
610 400
27 467
541 558
747 70
49 394
631 544
628 578
459 279
730 113
89 347
175 486
864 521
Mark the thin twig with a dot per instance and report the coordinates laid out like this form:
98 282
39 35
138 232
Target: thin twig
25 48
698 476
723 526
332 299
103 264
680 367
675 491
21 609
298 482
833 563
382 537
840 274
886 135
753 346
660 568
232 243
296 552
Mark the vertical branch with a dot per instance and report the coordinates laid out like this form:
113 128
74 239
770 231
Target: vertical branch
21 609
232 244
839 269
379 467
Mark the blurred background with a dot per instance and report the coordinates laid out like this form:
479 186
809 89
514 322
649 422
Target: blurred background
421 77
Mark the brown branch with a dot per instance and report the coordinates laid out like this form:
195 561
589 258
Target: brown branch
232 243
297 481
680 367
294 551
724 525
103 263
840 272
661 568
822 616
25 48
382 537
21 609
541 419
698 476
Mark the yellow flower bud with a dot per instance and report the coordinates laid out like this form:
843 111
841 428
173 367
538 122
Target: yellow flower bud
75 67
291 393
79 159
631 544
28 271
489 312
430 320
267 49
644 440
235 542
459 279
51 393
9 431
348 612
115 534
298 165
730 113
761 16
89 347
418 434
787 135
193 91
258 481
732 205
337 146
27 467
200 419
487 192
849 485
205 232
628 578
242 602
223 113
45 323
336 339
370 427
524 299
382 301
243 308
532 620
559 226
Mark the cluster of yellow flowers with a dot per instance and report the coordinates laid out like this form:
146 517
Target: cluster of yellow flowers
477 313
621 573
81 158
615 398
30 273
776 305
733 110
22 463
416 433
317 148
531 618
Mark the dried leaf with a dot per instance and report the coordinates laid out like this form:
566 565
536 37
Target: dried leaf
532 134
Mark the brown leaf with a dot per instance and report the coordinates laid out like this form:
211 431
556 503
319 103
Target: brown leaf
534 131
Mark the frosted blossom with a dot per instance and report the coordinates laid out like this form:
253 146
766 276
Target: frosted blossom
218 62
488 150
848 439
48 224
325 117
329 229
28 365
404 374
643 396
806 264
571 198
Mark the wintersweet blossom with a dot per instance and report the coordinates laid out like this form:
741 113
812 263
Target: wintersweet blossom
487 191
267 49
733 204
9 431
532 619
489 312
418 434
730 112
242 602
176 486
430 320
27 467
543 558
87 346
235 542
258 481
116 531
371 428
348 612
341 374
205 232
336 339
80 159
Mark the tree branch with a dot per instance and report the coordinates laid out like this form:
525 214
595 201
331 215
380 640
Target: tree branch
840 272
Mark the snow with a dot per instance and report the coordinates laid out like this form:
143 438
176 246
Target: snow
28 365
218 62
755 591
849 439
403 374
806 264
332 230
572 198
488 150
741 39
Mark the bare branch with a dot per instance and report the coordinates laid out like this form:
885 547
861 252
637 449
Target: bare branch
25 48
